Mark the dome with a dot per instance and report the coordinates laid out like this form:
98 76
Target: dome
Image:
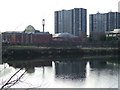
29 29
64 35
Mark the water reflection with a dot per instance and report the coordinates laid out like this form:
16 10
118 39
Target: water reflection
70 69
98 64
30 65
74 72
30 69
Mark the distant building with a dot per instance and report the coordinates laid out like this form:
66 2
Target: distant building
65 37
72 21
114 33
101 22
119 6
27 37
97 25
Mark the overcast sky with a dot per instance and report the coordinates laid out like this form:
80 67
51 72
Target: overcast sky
15 15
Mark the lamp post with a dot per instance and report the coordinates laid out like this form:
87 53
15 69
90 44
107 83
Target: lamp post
43 23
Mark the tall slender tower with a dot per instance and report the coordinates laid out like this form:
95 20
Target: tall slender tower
119 6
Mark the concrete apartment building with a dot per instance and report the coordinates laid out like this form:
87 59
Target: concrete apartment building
72 21
101 22
119 6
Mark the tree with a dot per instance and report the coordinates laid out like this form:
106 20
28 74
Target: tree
102 38
10 82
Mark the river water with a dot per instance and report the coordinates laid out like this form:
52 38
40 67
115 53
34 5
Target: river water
77 72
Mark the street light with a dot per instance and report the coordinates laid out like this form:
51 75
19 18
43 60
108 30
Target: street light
43 23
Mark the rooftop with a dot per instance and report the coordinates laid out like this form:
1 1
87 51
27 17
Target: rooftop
64 35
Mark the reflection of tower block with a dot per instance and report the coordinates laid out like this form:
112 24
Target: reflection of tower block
68 69
0 48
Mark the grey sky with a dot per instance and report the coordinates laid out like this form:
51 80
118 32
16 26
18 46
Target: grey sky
15 15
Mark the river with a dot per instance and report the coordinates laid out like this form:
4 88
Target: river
77 72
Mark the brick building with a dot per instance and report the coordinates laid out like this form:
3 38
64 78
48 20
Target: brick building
28 36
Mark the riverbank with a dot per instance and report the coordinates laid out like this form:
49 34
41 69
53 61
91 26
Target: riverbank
31 52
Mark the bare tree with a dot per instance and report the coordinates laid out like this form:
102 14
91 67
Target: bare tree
11 82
